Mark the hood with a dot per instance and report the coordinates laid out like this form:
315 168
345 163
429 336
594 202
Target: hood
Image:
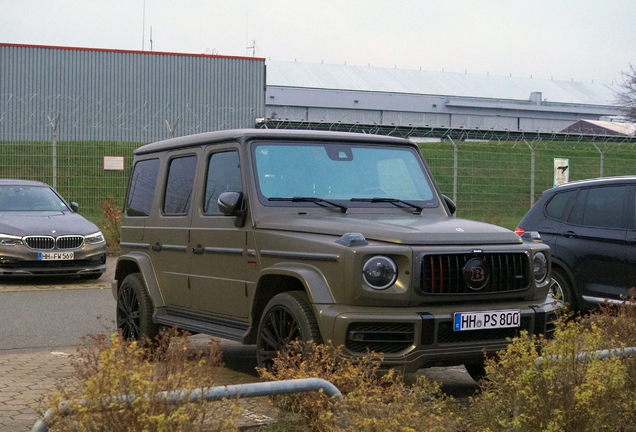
412 230
42 223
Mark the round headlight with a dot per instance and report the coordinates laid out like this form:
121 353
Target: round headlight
540 267
379 272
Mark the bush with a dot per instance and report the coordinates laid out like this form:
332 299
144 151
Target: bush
106 367
372 401
110 224
560 392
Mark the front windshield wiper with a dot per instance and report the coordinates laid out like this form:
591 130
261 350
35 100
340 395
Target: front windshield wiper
395 201
315 200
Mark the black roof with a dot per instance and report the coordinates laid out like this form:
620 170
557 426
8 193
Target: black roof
242 135
603 181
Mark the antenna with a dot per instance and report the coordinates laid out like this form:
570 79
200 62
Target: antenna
150 38
143 27
253 48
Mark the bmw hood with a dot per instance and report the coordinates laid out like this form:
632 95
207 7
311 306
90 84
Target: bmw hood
412 230
45 223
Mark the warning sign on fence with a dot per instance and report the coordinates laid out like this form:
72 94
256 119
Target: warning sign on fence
561 171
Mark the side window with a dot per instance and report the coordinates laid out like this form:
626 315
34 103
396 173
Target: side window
601 207
142 187
179 185
224 174
559 205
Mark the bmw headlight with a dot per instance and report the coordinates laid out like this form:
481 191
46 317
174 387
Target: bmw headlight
95 238
379 272
10 240
540 267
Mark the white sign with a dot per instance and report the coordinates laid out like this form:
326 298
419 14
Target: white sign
561 171
113 163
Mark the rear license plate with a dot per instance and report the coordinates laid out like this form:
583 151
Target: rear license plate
487 320
58 256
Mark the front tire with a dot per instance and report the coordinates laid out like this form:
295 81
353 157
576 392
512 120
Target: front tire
134 310
477 371
286 317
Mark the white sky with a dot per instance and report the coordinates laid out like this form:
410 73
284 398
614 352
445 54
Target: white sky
580 39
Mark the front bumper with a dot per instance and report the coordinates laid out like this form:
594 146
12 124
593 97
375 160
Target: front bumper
415 338
91 260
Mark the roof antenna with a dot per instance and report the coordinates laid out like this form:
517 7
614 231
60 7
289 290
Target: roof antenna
143 27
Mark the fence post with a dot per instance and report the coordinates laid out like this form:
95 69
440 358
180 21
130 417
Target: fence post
455 157
531 172
54 122
602 153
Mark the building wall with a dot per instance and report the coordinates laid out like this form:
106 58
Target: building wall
128 96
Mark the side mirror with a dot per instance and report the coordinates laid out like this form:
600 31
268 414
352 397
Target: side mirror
231 204
74 206
450 204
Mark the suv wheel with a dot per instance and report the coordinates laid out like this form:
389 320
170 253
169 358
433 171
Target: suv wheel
287 316
134 309
561 289
477 371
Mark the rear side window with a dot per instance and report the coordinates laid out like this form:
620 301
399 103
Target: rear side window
559 205
142 187
600 207
179 185
224 174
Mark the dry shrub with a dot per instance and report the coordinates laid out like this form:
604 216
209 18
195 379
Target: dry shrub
372 401
560 392
111 224
108 366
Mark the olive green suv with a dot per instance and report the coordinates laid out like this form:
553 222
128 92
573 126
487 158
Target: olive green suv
264 236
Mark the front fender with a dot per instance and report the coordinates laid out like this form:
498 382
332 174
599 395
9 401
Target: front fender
138 262
311 277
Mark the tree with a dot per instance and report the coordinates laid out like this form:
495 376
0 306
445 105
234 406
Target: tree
627 97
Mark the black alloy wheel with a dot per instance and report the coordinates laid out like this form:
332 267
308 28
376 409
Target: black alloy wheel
134 310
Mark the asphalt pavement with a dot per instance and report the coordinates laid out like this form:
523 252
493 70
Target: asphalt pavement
42 320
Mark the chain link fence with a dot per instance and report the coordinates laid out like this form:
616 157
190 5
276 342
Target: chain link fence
492 176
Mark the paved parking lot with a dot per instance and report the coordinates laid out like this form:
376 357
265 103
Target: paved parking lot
25 374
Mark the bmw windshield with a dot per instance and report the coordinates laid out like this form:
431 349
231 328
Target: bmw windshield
15 198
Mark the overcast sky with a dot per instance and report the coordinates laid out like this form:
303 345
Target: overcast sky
582 40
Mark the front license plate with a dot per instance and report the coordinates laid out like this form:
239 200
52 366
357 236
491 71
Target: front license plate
59 256
487 320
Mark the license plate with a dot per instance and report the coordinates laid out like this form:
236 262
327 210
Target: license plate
487 320
58 256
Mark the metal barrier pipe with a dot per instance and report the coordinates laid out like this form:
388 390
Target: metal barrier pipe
210 394
596 355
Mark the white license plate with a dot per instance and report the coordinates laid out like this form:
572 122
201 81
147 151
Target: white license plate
487 320
58 256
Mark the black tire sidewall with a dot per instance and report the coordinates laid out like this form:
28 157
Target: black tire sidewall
568 293
136 284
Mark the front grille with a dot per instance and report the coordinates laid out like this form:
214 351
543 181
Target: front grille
446 333
48 242
444 274
380 337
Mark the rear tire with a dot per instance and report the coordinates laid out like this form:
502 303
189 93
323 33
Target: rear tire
286 317
134 310
560 286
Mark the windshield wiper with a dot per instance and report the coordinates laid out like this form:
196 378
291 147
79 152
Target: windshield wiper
315 200
395 201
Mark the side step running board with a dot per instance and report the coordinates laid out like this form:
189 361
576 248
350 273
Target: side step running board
235 332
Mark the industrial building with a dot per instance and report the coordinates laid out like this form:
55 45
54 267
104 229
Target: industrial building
141 96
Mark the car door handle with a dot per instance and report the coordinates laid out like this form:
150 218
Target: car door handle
570 234
156 247
198 250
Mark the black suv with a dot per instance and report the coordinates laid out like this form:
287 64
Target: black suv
591 229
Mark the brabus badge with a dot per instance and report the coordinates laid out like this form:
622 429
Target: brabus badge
476 274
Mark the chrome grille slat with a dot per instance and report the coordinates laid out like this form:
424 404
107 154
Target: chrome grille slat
49 242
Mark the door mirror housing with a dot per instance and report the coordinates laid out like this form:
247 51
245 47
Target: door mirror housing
450 204
231 204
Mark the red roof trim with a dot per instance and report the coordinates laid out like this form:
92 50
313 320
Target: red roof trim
131 51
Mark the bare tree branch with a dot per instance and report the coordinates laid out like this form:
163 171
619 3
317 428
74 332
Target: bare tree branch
627 97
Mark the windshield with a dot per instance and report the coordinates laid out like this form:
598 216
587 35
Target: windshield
30 198
352 173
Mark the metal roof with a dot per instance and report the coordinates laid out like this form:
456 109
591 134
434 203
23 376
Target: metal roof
374 79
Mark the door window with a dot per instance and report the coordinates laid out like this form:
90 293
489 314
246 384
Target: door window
600 207
179 185
224 174
559 205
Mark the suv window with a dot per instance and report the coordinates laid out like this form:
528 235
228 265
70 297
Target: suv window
142 187
559 205
340 172
179 185
224 174
600 207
